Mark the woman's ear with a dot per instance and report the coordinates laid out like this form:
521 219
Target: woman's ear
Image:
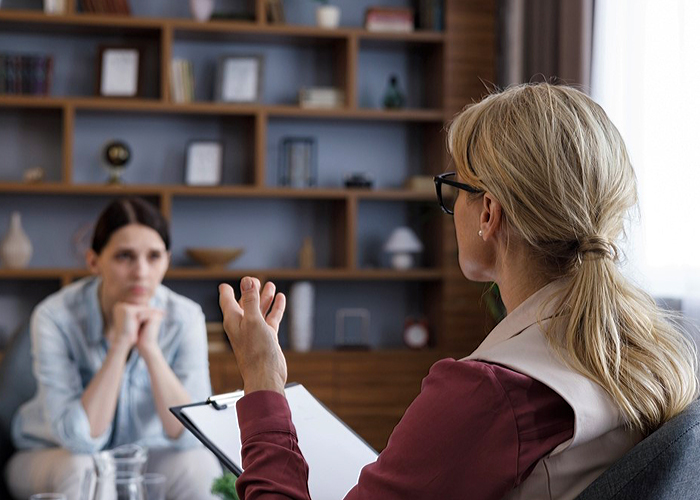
91 260
491 216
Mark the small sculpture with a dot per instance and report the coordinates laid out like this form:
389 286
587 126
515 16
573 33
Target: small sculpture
115 157
307 255
393 97
34 175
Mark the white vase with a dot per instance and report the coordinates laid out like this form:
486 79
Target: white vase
15 249
328 16
301 316
55 6
201 9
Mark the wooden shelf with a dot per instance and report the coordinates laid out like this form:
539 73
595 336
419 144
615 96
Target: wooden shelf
214 30
198 273
60 188
216 108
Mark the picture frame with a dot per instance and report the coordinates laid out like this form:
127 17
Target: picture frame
204 163
119 71
239 78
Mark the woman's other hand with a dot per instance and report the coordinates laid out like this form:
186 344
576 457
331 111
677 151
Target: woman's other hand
149 327
123 333
251 325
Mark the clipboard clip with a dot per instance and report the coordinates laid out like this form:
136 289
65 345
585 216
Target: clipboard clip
222 401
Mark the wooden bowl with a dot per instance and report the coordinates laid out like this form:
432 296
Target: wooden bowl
214 257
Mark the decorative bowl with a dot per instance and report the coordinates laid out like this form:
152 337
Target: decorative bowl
213 257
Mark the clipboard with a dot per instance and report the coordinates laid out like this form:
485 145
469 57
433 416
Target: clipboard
334 452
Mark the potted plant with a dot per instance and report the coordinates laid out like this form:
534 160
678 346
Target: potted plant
327 16
225 487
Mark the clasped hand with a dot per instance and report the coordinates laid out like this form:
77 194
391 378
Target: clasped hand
252 325
135 325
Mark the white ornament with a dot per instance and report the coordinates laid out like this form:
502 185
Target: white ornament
201 9
328 16
15 249
301 316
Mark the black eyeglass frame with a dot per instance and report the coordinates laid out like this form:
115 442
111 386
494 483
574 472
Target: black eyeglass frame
444 179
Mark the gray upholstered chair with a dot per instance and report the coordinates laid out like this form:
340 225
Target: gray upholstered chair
665 465
17 385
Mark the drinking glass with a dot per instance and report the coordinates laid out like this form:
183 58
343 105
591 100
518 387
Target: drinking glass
154 486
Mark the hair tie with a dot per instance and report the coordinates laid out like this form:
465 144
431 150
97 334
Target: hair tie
596 247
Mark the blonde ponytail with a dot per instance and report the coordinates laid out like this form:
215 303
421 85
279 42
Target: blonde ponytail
560 169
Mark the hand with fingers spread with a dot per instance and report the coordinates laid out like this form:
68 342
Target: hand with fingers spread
251 325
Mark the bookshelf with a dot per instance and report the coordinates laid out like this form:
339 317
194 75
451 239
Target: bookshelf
62 132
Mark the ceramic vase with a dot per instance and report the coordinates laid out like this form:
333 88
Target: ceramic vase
55 6
15 249
328 16
201 9
301 316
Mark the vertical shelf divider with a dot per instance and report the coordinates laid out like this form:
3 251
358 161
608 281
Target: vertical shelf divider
260 142
351 62
166 55
260 12
68 139
166 205
71 7
351 232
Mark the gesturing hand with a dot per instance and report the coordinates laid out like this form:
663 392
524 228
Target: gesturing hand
251 326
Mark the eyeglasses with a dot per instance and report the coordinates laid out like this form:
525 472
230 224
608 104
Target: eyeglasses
446 189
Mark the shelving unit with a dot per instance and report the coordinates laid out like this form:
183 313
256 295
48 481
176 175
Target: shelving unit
64 132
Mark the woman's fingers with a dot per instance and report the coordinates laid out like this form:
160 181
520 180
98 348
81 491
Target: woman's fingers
276 312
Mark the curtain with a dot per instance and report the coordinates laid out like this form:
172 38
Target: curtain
545 40
646 63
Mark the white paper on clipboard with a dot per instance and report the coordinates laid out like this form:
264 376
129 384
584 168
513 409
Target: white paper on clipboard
335 454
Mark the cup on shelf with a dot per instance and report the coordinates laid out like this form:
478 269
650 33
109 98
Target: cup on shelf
54 6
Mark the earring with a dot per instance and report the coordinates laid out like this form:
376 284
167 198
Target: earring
481 233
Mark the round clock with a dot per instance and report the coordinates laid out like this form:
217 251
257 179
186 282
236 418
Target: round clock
415 334
115 158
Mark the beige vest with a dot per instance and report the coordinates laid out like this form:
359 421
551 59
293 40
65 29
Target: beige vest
599 436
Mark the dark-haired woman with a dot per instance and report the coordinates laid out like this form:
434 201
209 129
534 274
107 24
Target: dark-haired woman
111 354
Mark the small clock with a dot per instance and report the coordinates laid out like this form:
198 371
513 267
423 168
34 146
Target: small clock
415 334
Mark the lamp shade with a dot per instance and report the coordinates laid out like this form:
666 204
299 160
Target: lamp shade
403 239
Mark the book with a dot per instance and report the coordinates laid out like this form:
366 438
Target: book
389 19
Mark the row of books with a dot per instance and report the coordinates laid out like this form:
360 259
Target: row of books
321 97
106 6
182 80
430 15
389 19
23 74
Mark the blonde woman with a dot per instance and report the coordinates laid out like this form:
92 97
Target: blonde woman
583 366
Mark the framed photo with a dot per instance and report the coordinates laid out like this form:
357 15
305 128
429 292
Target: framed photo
203 163
239 79
119 71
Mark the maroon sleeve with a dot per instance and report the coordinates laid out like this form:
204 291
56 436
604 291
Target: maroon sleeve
272 462
476 430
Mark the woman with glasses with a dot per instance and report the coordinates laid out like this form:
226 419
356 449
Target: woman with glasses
112 352
583 366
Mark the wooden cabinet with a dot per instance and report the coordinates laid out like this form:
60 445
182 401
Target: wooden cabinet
64 132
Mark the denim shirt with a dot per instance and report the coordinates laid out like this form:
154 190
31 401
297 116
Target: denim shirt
69 348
